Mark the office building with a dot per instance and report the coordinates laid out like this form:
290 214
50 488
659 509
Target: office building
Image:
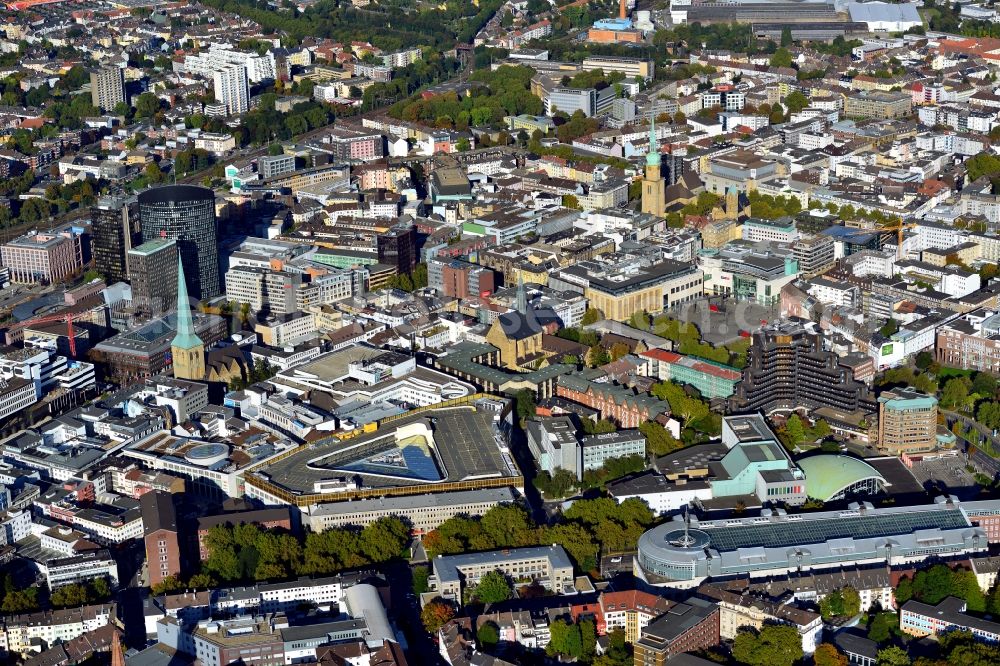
877 104
152 272
398 247
185 213
713 380
82 568
232 89
550 566
16 394
686 627
115 229
107 87
42 257
620 289
554 446
815 255
161 537
971 342
423 512
787 368
276 165
907 422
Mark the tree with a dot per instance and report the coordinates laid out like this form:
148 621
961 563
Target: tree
795 101
955 392
69 596
571 201
591 316
882 626
774 645
493 588
659 442
488 635
828 655
924 360
781 58
436 614
168 585
893 656
796 432
786 37
146 105
852 601
525 400
564 639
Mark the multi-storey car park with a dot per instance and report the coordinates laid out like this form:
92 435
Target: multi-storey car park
455 446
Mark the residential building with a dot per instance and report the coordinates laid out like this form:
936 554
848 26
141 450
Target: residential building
161 536
971 342
107 87
631 611
686 627
738 611
554 445
232 89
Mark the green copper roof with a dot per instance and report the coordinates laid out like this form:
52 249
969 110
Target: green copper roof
186 337
653 156
828 475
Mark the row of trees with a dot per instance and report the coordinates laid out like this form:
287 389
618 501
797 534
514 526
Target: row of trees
238 553
585 529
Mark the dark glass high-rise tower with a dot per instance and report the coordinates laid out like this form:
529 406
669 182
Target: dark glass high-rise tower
115 230
185 213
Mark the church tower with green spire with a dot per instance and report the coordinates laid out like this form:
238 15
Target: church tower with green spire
654 186
187 349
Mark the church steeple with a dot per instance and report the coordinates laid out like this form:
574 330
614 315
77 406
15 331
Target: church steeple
187 349
653 156
521 303
186 338
653 184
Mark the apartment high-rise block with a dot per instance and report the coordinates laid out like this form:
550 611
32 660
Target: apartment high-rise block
152 272
115 231
907 421
232 88
107 87
160 534
185 213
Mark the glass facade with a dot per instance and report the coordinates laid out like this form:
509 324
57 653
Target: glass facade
185 213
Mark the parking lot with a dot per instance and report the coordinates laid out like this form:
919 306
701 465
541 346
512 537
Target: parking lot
945 474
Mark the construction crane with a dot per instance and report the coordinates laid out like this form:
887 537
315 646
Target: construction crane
895 226
65 317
